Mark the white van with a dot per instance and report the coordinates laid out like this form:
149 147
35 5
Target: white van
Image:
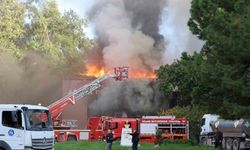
25 127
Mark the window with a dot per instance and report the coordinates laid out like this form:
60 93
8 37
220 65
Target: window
12 119
203 121
113 125
106 125
130 125
38 120
127 124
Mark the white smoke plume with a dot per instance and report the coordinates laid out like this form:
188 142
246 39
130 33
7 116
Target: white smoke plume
128 34
176 31
124 38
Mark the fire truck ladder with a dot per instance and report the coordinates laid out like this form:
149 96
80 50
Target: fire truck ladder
57 107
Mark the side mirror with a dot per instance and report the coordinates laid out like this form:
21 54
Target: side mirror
24 108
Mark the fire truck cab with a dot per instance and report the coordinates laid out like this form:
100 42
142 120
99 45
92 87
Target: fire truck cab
25 127
99 126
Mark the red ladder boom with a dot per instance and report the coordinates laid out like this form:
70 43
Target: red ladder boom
58 107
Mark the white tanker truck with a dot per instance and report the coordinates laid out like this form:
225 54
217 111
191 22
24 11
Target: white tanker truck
227 134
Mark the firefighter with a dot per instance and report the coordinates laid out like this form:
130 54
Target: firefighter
218 139
159 138
135 140
109 140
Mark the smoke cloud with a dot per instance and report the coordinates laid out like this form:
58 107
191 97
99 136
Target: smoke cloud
128 33
131 96
30 81
141 34
176 31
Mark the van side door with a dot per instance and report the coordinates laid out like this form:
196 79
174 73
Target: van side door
12 128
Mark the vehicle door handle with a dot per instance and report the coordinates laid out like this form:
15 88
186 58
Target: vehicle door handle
2 134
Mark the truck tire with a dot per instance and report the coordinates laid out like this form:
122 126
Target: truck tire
71 138
223 143
236 144
229 143
4 146
203 141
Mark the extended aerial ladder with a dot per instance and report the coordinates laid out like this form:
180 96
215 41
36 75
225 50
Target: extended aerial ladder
71 98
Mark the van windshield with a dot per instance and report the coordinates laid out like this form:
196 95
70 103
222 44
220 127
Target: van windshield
203 121
38 120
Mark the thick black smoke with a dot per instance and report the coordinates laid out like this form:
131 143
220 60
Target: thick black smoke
135 97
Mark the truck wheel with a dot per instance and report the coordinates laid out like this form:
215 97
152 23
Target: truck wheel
203 141
229 144
223 143
71 138
236 144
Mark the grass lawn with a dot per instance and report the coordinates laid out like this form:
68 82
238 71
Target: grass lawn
116 146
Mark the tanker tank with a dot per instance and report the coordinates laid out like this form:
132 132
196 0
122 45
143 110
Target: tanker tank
229 126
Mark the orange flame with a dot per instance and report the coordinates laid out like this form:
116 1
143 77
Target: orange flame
143 75
94 71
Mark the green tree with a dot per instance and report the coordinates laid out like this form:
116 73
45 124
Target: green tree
224 25
38 46
178 79
11 26
59 37
216 79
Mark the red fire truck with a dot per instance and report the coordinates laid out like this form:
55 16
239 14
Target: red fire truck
99 126
62 128
171 127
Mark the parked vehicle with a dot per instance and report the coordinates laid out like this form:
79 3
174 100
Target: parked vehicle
171 127
63 128
228 134
25 127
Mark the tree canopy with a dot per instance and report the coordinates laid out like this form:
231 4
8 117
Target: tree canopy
39 47
218 78
39 27
11 26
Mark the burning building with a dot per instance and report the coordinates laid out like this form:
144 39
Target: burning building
78 112
127 33
131 97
